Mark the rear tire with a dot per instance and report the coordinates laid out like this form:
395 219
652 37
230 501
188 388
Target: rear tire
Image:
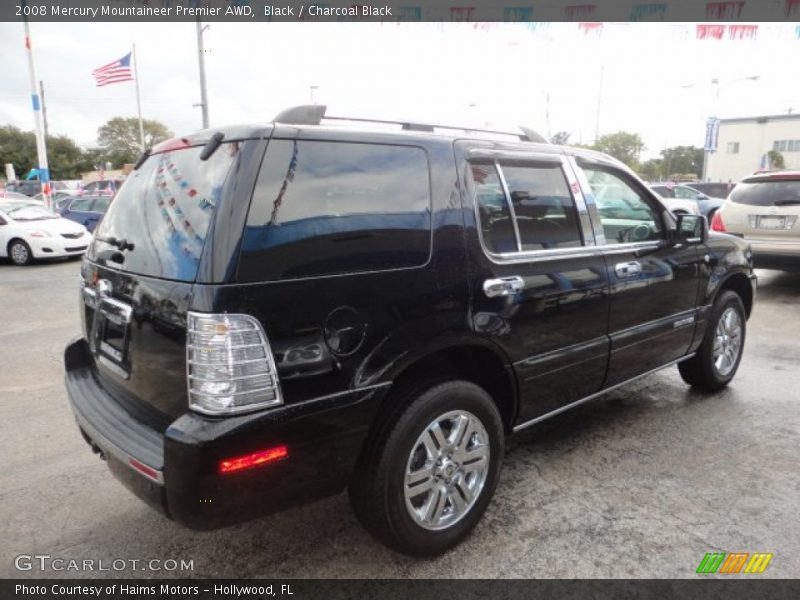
718 357
428 476
20 253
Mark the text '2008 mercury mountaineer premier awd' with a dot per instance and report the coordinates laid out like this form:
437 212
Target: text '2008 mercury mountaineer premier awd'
276 313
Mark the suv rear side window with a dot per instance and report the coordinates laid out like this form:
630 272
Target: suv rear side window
324 208
767 193
541 209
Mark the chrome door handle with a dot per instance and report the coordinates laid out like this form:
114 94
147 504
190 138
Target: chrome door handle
628 269
504 286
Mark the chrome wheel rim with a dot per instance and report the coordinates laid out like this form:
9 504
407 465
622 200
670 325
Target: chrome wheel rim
19 253
446 470
727 341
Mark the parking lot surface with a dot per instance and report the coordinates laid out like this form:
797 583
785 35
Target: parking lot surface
640 483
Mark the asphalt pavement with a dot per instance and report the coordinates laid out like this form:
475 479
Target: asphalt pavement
640 483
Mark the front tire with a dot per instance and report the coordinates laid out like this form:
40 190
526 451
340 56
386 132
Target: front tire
427 478
20 253
719 355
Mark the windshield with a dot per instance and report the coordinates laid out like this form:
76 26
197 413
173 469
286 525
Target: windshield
27 212
767 193
158 221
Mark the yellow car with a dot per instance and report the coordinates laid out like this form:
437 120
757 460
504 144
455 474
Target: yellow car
764 209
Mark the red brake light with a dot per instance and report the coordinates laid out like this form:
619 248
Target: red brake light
256 459
716 222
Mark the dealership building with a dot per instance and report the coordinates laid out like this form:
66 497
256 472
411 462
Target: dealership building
742 145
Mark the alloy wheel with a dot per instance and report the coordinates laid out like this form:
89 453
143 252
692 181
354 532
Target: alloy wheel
727 341
446 470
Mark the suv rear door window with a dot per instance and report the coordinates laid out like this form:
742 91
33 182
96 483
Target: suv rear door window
540 214
767 193
325 208
543 206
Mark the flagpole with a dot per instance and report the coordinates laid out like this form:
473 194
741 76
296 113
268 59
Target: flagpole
41 148
138 97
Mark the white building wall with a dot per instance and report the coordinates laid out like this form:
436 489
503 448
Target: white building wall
755 138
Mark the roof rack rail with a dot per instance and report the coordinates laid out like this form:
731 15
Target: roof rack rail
313 114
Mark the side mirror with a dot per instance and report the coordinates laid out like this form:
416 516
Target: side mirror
691 229
702 197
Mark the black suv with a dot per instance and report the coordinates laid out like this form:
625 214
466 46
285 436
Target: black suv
275 313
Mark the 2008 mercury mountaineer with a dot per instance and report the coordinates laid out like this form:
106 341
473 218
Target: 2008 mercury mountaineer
275 313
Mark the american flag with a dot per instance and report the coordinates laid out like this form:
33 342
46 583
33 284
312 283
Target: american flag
114 72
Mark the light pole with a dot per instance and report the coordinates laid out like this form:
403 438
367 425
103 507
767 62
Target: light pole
201 63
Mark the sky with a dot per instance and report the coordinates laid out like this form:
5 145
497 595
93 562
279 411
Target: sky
653 79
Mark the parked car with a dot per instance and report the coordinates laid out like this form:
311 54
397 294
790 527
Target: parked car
104 187
764 209
704 203
272 314
86 210
29 231
7 195
33 186
57 198
712 189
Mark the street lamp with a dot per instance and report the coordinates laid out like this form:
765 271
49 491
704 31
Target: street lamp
311 90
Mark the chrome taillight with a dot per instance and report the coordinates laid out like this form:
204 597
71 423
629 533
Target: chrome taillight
230 366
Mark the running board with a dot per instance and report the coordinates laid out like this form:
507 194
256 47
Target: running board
566 407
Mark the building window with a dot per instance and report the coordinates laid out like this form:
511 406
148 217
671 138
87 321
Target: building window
733 148
786 145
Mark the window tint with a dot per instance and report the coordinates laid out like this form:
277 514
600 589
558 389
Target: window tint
497 229
329 207
767 193
624 214
81 204
543 206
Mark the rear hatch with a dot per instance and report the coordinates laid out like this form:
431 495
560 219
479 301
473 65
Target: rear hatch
765 208
139 274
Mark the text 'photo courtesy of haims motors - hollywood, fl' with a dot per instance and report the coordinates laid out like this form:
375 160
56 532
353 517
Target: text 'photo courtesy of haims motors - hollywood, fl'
399 299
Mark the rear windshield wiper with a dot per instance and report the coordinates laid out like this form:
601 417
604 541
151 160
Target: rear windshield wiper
786 202
143 157
212 145
122 244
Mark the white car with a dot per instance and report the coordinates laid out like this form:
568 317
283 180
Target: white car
29 231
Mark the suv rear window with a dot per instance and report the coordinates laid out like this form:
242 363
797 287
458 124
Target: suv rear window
164 209
767 192
324 208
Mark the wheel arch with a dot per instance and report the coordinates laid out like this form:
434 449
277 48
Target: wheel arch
476 361
738 283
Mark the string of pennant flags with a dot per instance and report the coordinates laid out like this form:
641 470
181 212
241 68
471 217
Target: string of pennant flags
714 13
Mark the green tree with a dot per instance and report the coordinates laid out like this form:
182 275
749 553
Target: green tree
623 146
560 138
775 159
681 160
119 138
652 169
64 157
18 148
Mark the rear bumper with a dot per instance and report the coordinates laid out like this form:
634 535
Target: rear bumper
775 254
180 476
